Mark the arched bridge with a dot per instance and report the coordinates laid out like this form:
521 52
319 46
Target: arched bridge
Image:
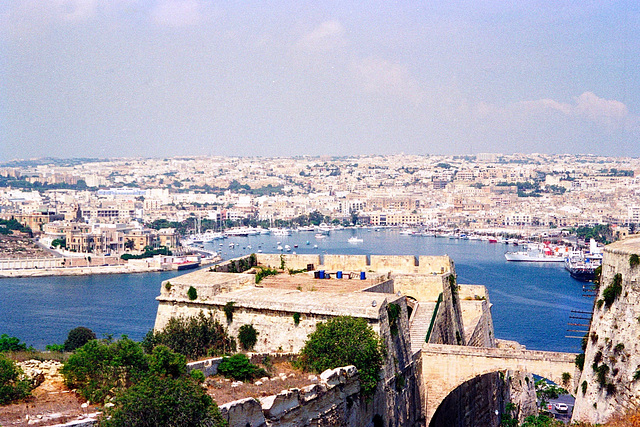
445 367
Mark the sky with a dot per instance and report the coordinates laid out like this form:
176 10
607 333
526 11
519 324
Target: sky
145 78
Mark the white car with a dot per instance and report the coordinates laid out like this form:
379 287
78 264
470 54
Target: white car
561 407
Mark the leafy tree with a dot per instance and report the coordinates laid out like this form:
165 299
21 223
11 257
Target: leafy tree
248 336
78 337
240 368
343 341
8 343
100 368
194 337
12 387
129 244
164 401
540 421
59 243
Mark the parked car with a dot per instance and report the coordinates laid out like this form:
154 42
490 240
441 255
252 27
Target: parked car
561 407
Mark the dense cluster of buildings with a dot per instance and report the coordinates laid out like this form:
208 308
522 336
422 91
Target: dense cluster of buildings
104 203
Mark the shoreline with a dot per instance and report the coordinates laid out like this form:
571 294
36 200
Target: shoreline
90 270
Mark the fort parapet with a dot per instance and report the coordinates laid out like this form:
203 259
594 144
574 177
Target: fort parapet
434 310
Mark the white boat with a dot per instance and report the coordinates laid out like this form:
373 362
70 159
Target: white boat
540 253
287 248
279 247
320 236
280 231
210 235
354 240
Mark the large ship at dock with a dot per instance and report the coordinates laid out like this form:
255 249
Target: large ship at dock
582 265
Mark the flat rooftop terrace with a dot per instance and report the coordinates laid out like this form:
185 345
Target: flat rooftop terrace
630 245
307 282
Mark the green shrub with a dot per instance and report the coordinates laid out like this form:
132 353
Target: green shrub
248 336
634 260
8 343
636 374
197 375
193 337
584 387
343 341
164 401
240 368
56 348
12 386
192 293
228 310
264 272
611 292
78 337
580 361
601 373
167 286
296 318
99 368
393 311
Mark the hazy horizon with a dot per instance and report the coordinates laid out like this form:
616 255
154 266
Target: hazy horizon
170 78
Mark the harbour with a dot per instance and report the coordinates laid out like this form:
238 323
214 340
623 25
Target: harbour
532 301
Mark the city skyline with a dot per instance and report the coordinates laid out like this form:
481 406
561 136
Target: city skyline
187 78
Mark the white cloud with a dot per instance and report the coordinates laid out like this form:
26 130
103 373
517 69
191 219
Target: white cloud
605 111
588 106
325 37
380 76
177 13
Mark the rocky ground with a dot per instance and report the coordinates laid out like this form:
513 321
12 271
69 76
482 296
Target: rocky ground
283 377
18 245
52 402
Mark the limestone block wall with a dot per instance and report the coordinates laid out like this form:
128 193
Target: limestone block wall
419 286
435 265
407 263
384 287
613 341
448 327
476 314
177 289
334 401
277 330
346 262
294 262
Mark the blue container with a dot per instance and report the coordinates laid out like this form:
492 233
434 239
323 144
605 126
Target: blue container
339 275
321 274
362 275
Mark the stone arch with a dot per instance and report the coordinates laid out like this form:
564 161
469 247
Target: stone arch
447 367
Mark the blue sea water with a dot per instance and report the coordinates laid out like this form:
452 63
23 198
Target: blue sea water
531 302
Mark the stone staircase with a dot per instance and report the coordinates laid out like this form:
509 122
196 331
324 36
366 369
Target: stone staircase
419 327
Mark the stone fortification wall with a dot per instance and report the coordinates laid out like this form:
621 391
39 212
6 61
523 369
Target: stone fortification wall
429 264
334 401
474 402
346 262
276 329
419 286
448 327
384 287
384 263
407 263
177 287
476 315
294 262
272 313
613 346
